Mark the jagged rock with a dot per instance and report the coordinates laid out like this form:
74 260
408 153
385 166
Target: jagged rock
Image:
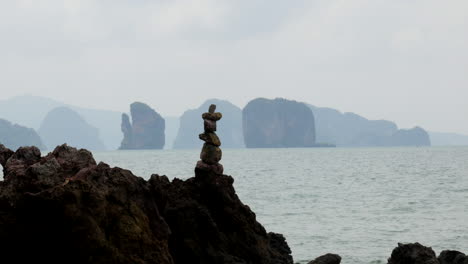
209 223
66 208
146 130
229 128
210 154
452 257
210 138
14 136
413 254
327 259
18 162
5 154
278 123
64 125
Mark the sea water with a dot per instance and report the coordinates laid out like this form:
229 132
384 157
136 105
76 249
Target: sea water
356 202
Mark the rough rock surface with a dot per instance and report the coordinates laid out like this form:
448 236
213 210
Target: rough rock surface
64 125
146 130
327 259
14 136
230 127
413 254
278 123
65 208
452 257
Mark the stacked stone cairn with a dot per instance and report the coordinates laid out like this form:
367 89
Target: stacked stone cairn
211 153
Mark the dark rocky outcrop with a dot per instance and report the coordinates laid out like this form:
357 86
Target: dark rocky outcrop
230 131
327 259
146 131
278 123
413 254
14 136
63 125
352 130
452 257
65 208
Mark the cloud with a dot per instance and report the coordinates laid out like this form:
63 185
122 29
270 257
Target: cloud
378 58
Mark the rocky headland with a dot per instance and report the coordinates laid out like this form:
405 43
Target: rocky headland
278 123
64 207
64 125
14 136
145 130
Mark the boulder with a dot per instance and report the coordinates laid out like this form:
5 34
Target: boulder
452 257
413 254
210 138
5 154
210 154
327 259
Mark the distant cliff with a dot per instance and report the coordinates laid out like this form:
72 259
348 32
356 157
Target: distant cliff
410 137
230 128
352 130
145 131
63 125
278 123
14 136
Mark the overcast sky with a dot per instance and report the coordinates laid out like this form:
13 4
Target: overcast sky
402 60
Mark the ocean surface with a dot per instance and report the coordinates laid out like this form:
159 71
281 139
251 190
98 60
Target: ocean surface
356 202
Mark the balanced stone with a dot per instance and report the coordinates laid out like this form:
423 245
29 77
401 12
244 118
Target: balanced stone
212 116
212 108
210 138
210 126
216 168
210 154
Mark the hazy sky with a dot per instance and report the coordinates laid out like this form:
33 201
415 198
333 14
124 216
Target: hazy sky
402 60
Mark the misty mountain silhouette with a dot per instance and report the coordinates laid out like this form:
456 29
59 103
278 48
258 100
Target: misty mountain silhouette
63 125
